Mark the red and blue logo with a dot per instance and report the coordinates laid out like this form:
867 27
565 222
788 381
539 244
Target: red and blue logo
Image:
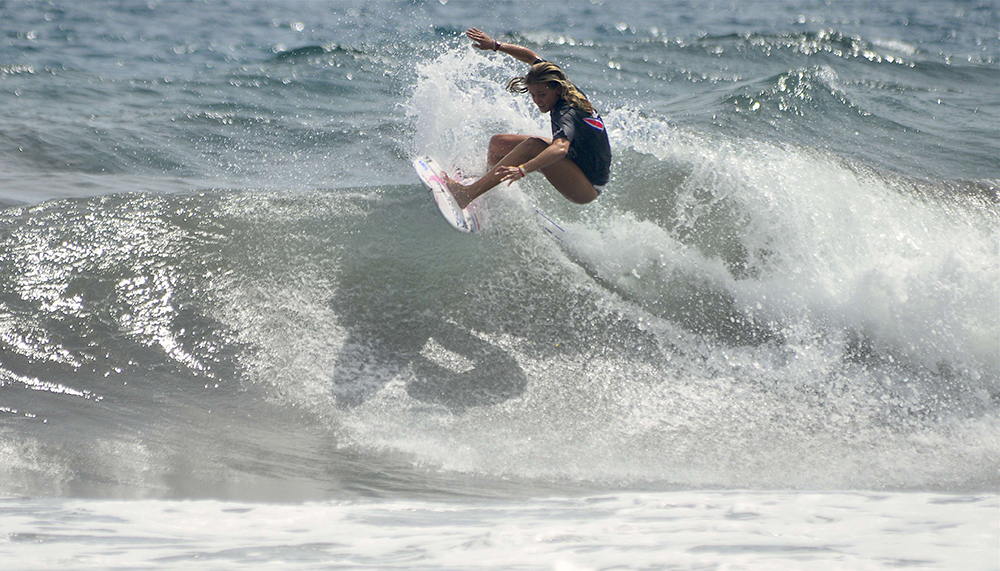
594 122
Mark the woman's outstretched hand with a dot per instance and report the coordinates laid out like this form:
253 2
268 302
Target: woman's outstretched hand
481 39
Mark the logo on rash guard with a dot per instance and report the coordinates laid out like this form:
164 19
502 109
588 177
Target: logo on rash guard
595 122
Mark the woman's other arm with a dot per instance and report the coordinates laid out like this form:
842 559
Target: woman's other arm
484 42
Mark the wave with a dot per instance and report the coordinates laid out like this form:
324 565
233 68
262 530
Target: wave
826 41
750 264
731 313
247 317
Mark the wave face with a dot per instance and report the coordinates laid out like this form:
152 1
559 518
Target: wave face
219 278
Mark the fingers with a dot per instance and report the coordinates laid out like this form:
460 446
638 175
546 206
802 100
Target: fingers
482 40
509 175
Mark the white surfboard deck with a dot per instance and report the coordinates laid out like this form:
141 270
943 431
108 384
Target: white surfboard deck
464 220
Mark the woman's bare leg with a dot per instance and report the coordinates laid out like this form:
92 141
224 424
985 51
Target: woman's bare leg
564 174
501 146
525 150
569 180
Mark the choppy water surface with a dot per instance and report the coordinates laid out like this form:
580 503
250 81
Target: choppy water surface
221 282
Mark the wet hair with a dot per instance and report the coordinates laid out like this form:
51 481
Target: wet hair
547 73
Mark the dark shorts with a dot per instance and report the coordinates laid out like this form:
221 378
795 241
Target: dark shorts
587 172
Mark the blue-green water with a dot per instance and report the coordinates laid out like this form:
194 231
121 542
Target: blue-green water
220 279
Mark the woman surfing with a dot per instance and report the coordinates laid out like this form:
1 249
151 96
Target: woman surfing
576 160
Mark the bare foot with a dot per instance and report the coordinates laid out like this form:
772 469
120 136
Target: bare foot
458 190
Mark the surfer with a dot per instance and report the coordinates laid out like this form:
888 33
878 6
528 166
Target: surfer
576 160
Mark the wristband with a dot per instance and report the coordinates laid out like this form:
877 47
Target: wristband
523 172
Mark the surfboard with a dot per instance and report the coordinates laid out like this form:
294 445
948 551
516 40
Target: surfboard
464 220
550 225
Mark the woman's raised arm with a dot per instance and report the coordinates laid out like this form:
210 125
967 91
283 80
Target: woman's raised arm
485 42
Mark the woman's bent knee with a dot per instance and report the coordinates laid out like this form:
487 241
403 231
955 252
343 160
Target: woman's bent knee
583 196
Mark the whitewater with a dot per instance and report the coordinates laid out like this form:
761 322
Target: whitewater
236 334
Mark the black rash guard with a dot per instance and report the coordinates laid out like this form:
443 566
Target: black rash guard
589 147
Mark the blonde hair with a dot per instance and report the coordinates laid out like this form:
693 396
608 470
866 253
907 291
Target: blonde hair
549 74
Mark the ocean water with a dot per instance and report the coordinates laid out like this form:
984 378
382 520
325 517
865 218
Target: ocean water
235 333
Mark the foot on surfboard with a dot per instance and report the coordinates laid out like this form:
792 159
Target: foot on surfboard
439 185
457 190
